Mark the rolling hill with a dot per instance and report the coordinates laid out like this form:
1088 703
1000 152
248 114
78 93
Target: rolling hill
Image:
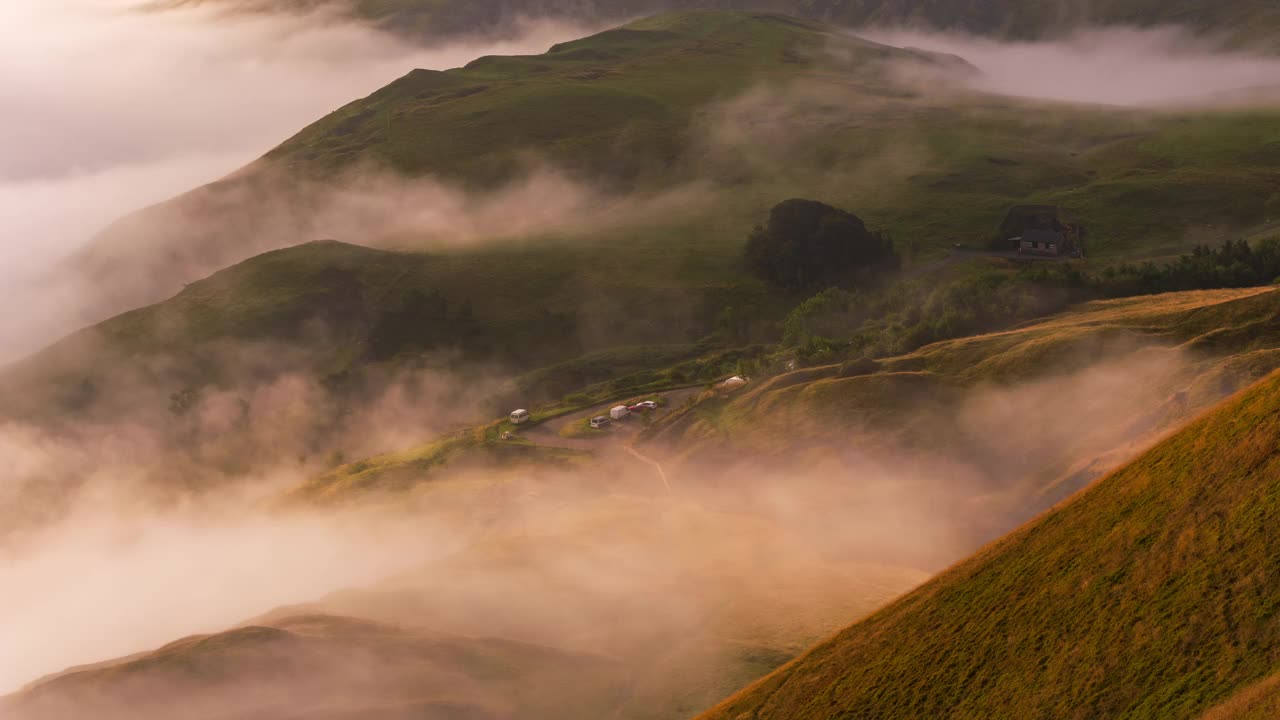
332 667
1146 596
354 318
606 606
687 127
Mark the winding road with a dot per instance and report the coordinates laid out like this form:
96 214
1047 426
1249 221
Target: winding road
620 434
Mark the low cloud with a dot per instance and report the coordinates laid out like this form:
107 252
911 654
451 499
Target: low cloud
108 109
744 561
1129 67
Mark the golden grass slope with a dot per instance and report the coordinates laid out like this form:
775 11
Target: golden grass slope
1223 340
1151 595
1256 702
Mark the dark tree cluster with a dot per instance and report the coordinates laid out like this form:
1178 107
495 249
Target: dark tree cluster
1235 264
808 244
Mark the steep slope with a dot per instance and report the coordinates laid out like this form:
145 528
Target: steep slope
307 667
1148 596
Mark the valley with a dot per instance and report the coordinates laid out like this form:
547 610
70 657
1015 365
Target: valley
905 457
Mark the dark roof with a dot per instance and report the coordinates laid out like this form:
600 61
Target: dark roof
1023 218
1040 235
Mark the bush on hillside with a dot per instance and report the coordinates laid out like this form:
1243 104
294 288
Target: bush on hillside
1235 264
807 244
830 313
835 324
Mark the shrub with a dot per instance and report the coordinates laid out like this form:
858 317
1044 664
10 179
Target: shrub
807 243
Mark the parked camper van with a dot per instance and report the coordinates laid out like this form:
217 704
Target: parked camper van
619 412
519 417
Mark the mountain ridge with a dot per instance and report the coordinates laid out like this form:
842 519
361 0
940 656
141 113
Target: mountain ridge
1239 22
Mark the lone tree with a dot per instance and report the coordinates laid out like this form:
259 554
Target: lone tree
808 243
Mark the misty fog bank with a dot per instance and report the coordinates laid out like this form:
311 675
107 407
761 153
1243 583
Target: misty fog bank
591 560
108 110
1132 67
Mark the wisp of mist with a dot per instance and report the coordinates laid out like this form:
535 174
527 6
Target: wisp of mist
1151 68
108 109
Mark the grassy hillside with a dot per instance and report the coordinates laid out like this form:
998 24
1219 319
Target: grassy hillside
718 115
1148 596
1226 339
977 435
332 667
475 451
345 314
617 110
616 104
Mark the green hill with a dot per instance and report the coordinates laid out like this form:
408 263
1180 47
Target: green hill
1147 596
697 122
614 110
330 667
352 317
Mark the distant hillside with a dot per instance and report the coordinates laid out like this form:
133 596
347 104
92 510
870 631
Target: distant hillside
1147 596
690 126
309 667
604 607
1241 21
346 315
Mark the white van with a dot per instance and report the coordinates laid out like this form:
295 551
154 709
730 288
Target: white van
619 412
519 416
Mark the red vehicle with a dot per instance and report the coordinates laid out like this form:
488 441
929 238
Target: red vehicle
645 406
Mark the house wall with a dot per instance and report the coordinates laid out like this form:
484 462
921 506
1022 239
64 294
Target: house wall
1039 248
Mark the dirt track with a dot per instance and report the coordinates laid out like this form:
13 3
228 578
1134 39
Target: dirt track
619 433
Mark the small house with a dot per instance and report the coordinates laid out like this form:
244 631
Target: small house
1043 230
619 412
